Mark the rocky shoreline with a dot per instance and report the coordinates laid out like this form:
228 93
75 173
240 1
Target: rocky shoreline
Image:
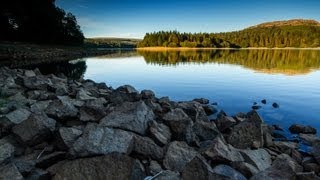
52 127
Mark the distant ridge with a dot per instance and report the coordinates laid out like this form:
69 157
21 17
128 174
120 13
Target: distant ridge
292 22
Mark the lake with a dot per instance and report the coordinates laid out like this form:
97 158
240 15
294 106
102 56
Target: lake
235 79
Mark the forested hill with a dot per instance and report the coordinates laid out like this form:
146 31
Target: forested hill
292 33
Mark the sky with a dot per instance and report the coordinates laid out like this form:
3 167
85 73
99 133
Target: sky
134 18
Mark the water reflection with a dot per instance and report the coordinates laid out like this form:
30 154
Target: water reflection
289 62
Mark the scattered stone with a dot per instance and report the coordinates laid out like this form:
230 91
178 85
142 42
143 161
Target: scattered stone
111 166
264 101
178 155
160 132
97 140
36 129
296 129
275 105
131 116
256 107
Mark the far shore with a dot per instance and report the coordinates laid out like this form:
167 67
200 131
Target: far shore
211 48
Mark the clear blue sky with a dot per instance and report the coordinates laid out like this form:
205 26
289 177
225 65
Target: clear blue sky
133 18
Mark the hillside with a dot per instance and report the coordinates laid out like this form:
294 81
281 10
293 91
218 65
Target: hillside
111 42
297 33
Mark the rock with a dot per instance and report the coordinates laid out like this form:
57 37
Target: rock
205 130
286 147
127 89
311 167
309 139
67 136
62 109
194 110
29 73
180 125
36 82
6 151
225 122
97 140
10 172
228 172
93 110
209 109
38 174
259 158
201 100
220 152
19 115
147 148
36 129
244 168
84 95
256 107
155 167
40 106
264 101
147 94
296 129
254 116
178 155
169 175
159 132
50 159
316 151
284 167
131 116
111 166
307 176
246 134
275 105
41 95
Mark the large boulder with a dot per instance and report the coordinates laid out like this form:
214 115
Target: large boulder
127 89
246 134
259 158
225 122
220 152
284 167
37 82
84 95
205 130
97 140
194 110
10 172
297 128
11 119
93 110
178 155
130 116
180 125
6 150
147 148
36 129
66 136
228 172
111 166
62 109
159 132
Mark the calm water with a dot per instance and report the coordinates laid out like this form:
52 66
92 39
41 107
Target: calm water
234 79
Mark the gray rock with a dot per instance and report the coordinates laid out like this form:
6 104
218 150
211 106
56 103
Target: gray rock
147 148
24 165
40 106
209 109
296 129
36 82
97 140
17 116
286 147
284 167
201 100
307 176
67 136
10 172
244 168
220 152
127 89
194 110
84 95
169 175
309 139
111 166
38 174
259 158
6 151
180 125
147 94
62 109
205 130
45 161
311 167
178 155
225 122
29 73
228 172
34 130
246 134
93 110
160 132
316 151
155 167
131 116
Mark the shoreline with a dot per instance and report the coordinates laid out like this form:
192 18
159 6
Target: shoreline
201 48
58 126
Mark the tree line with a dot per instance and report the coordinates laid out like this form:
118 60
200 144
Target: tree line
38 21
275 36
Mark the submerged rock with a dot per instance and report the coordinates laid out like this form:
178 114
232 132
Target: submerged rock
296 129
